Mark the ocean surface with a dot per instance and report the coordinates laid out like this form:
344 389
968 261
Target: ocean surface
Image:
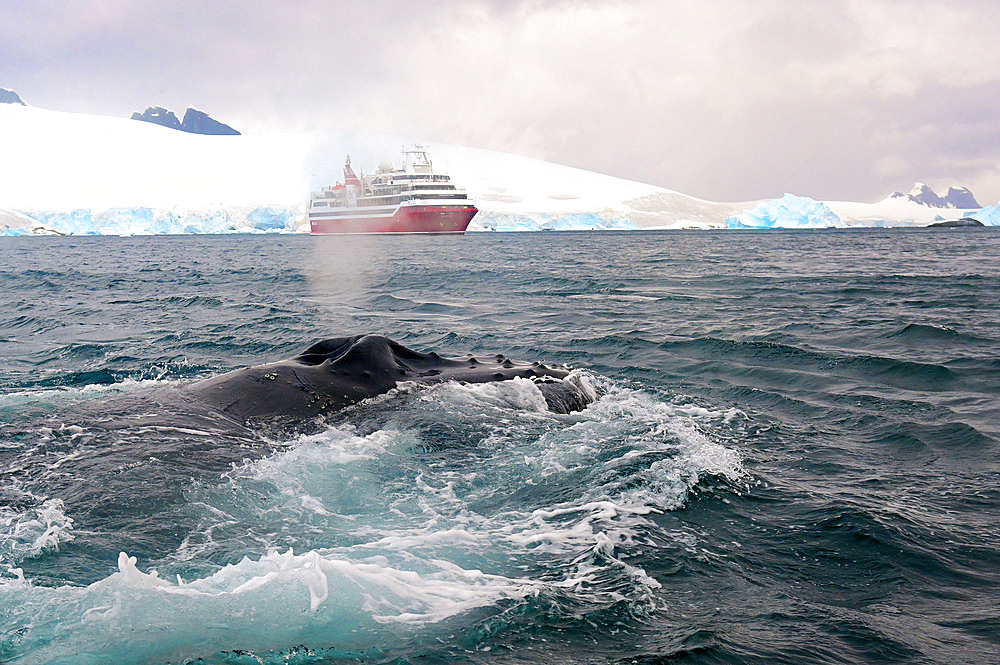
795 457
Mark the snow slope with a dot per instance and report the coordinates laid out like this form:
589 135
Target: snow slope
73 173
892 212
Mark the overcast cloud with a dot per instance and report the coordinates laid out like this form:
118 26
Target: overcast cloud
721 100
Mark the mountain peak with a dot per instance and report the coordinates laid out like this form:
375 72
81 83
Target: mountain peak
961 197
956 197
10 97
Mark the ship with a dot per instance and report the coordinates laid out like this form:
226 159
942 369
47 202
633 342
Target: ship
410 199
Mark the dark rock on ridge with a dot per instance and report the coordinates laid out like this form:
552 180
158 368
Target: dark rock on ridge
199 122
158 116
10 97
195 121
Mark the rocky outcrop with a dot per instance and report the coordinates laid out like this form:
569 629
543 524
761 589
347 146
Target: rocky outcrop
195 121
199 122
158 116
10 97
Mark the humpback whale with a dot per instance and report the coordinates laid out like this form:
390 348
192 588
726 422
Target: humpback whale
120 464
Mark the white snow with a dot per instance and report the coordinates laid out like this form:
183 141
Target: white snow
65 161
74 173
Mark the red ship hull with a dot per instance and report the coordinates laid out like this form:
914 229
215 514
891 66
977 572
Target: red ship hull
405 219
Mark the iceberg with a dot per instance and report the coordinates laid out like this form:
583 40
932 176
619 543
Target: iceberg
788 212
990 215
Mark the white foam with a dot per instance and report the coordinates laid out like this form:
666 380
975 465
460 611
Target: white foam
333 446
144 618
519 393
23 398
30 532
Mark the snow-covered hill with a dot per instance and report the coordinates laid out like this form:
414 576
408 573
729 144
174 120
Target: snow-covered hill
79 173
894 211
74 173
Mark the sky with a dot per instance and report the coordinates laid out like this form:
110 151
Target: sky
723 100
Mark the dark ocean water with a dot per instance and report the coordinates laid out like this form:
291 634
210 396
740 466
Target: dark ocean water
796 458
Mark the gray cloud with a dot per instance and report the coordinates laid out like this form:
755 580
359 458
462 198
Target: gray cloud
723 100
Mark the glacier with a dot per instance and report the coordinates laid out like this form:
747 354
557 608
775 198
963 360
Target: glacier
788 212
70 173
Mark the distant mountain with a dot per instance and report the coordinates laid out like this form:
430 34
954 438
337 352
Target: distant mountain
10 97
957 197
195 121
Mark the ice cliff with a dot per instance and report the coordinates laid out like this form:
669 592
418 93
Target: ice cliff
150 221
493 221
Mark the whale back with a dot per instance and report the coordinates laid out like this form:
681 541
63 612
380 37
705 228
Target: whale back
340 371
